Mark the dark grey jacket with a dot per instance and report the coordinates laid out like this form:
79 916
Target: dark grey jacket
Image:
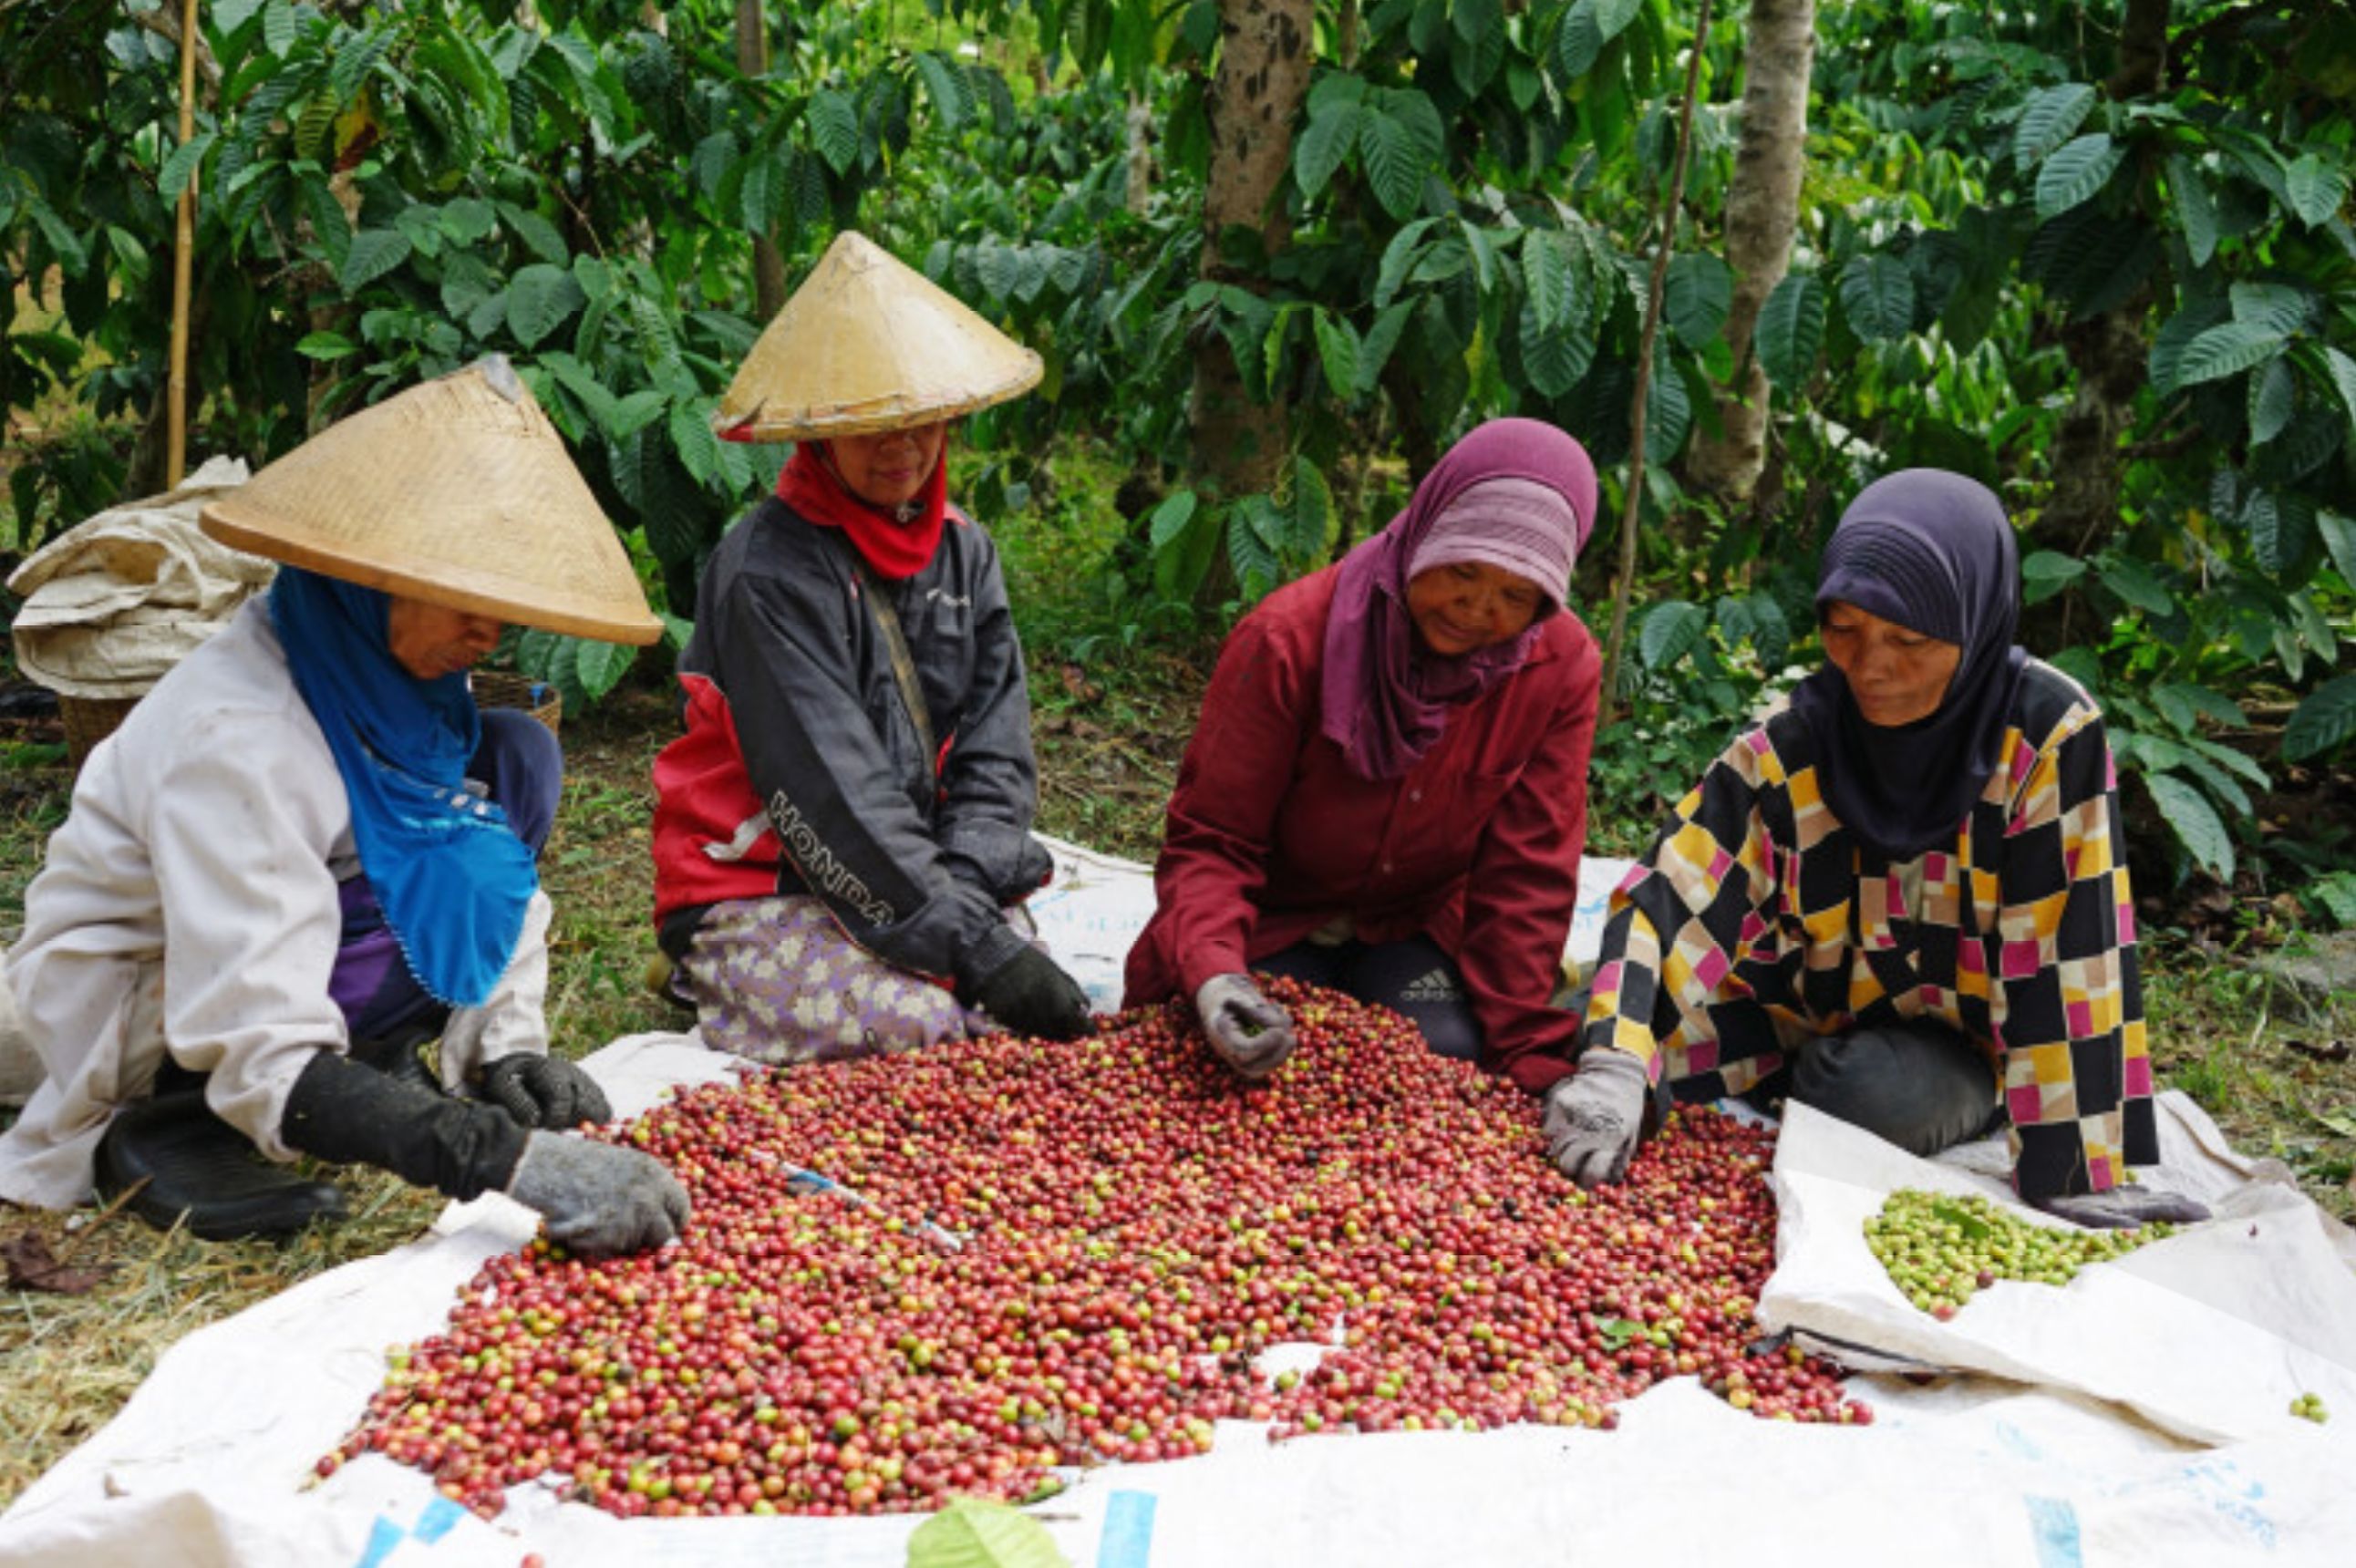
801 771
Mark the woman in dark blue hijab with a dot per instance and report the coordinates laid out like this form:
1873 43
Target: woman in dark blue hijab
1902 898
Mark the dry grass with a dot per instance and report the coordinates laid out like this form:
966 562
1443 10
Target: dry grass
69 1362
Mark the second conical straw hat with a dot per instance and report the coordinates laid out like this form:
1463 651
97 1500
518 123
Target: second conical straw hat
457 492
868 343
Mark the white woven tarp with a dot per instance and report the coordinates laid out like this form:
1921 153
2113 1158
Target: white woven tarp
1095 905
118 598
211 1467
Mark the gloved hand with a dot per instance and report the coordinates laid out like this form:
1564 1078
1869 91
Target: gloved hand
1251 1033
598 1199
2124 1209
1029 995
1592 1117
544 1092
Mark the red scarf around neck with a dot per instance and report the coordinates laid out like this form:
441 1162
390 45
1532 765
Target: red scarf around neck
896 550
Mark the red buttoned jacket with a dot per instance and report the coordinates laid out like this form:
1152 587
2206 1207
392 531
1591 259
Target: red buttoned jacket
1270 836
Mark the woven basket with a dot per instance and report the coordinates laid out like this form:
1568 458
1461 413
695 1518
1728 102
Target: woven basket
504 689
90 720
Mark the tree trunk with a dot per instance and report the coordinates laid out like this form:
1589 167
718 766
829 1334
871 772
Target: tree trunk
1633 505
1762 209
768 264
1138 191
1255 93
2143 50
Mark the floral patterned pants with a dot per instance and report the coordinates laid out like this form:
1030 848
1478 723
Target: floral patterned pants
775 980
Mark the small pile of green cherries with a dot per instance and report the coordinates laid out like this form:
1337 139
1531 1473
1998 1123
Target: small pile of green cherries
2309 1407
1939 1249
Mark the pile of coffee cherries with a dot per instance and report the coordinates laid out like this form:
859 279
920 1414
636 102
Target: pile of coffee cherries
1025 1257
1940 1249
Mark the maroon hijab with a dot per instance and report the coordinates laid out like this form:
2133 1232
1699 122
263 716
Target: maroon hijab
1386 698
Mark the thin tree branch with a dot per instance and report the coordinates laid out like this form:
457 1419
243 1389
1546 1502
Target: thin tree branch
1671 202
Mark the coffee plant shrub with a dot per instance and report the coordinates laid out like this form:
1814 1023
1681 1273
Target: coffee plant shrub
1024 1256
1940 1251
2148 222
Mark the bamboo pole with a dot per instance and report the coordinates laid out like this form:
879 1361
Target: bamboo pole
175 456
1624 587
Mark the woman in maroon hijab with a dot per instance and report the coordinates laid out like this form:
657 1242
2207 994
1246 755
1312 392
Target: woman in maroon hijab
1386 794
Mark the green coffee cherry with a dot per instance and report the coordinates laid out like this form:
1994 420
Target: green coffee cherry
1939 1250
2309 1407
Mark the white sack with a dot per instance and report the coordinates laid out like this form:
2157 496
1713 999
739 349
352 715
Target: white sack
118 598
2210 1334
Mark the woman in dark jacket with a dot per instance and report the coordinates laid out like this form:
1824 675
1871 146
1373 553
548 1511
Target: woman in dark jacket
843 829
1388 791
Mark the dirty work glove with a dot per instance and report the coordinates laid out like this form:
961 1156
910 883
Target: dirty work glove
596 1198
1029 995
1592 1117
2124 1208
1251 1033
544 1092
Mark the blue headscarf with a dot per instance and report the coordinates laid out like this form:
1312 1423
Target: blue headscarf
452 877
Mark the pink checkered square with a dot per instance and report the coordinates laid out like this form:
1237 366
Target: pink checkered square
2019 960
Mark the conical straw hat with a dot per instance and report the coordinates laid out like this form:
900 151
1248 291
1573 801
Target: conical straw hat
457 492
868 343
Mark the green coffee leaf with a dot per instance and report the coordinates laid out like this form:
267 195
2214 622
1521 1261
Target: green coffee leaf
973 1533
2195 822
2323 722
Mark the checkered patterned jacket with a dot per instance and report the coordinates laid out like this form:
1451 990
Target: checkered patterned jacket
1757 919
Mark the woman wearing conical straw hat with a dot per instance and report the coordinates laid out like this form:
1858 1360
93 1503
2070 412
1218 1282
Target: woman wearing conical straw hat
846 822
307 852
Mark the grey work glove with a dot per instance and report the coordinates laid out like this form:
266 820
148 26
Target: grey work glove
1251 1033
1029 995
598 1199
1592 1117
544 1092
2124 1209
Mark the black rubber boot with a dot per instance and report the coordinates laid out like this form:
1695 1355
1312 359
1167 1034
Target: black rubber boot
202 1172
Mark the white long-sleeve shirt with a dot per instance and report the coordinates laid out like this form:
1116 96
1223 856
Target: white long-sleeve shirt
190 904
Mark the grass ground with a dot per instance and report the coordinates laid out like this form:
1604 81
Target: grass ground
1110 722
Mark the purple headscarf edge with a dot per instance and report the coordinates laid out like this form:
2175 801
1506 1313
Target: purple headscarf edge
1382 705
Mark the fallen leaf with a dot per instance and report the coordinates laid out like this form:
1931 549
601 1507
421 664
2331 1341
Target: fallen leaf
31 1266
2331 1051
1076 681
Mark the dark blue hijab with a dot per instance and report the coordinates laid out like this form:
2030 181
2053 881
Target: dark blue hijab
1933 552
451 876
